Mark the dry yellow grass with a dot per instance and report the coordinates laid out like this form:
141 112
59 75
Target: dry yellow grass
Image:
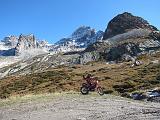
116 77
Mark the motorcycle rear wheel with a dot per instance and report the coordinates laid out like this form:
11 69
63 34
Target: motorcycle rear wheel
100 91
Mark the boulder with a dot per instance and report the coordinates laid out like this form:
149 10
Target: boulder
138 96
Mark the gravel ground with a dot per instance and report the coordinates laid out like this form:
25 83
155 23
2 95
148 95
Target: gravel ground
79 107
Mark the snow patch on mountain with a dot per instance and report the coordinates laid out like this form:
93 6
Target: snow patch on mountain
3 47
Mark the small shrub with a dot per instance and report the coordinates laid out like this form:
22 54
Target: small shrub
146 85
106 78
108 91
74 67
158 77
102 69
5 93
52 90
127 95
154 82
4 96
124 87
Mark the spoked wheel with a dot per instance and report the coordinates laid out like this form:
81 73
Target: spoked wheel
100 91
84 90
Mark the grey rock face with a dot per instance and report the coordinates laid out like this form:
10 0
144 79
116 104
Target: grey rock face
132 34
132 49
150 45
89 56
118 52
131 44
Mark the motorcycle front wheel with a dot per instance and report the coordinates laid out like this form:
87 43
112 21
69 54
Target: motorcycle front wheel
100 91
84 90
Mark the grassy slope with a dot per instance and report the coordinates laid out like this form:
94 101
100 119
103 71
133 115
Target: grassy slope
116 77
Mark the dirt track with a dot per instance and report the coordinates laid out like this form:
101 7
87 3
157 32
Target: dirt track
78 107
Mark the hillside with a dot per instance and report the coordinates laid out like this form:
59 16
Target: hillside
69 78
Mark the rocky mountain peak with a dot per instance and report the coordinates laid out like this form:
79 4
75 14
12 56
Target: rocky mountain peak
125 22
26 42
83 31
78 40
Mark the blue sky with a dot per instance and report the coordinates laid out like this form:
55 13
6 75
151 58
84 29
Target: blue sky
55 19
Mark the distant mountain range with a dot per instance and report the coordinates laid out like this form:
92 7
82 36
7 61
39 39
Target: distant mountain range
79 40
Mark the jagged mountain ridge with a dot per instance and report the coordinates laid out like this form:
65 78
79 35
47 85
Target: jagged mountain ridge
15 46
79 40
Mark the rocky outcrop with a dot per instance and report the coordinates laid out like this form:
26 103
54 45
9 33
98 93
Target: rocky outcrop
118 52
132 49
126 37
125 22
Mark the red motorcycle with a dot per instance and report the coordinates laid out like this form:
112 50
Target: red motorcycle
93 86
